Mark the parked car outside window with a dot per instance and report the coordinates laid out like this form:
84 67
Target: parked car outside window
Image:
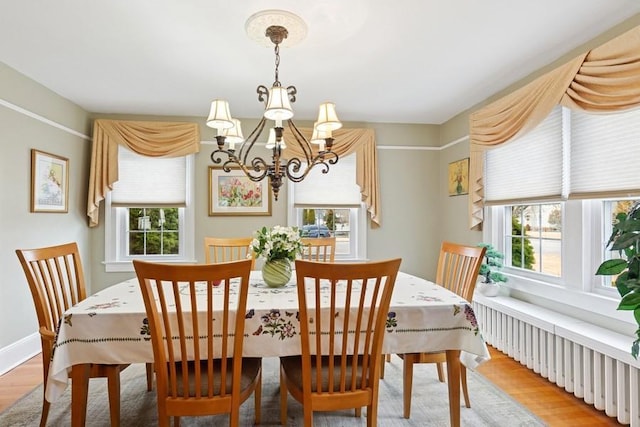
315 231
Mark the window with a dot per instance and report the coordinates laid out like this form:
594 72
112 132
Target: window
149 213
534 238
554 228
330 204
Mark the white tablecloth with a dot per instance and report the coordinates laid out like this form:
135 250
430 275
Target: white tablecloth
110 327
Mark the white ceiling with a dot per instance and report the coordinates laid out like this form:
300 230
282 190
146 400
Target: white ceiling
403 61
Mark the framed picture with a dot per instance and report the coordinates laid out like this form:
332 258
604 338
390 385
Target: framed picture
49 182
232 193
459 177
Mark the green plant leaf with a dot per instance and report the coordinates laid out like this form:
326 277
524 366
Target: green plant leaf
611 267
625 240
630 301
636 314
629 225
622 287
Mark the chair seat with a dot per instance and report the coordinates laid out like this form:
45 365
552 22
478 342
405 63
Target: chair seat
292 365
250 370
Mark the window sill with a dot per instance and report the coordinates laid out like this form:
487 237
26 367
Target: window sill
127 266
598 309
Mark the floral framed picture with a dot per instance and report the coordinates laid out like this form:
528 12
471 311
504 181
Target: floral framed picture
459 177
232 193
49 182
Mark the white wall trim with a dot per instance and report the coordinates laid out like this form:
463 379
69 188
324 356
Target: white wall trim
42 119
19 352
393 147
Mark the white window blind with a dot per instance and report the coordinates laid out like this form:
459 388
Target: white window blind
336 188
528 168
605 154
149 181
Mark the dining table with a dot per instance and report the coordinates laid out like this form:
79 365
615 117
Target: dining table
111 327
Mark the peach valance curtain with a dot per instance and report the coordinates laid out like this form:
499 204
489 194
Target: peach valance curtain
154 139
363 143
605 79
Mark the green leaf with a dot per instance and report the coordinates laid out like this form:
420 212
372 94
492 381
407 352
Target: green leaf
625 240
630 225
622 287
636 314
634 348
611 267
630 301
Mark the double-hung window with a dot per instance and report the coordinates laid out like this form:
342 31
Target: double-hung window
149 213
330 205
552 195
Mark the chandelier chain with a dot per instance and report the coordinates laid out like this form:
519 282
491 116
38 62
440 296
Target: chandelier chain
277 52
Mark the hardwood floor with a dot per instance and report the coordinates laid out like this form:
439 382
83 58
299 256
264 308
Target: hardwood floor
549 402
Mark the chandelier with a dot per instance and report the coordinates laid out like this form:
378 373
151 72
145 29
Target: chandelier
277 101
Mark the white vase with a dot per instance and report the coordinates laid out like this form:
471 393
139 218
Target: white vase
488 289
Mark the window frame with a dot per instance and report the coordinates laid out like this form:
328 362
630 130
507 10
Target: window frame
116 231
578 290
357 217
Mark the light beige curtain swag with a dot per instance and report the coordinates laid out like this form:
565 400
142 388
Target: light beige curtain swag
605 79
363 143
154 139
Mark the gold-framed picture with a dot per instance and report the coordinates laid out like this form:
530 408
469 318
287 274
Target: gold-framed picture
459 177
233 193
49 182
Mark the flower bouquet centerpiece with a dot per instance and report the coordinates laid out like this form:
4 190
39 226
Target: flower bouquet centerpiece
278 246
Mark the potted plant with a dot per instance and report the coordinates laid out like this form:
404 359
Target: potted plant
625 239
490 271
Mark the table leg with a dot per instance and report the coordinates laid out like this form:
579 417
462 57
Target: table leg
79 390
453 380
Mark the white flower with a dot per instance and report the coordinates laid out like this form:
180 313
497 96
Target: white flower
277 243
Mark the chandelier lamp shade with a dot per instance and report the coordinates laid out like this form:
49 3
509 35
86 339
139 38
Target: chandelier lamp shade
234 151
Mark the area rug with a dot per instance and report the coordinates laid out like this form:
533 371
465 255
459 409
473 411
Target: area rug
489 406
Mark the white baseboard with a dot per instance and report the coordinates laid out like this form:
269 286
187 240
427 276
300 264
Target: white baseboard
19 352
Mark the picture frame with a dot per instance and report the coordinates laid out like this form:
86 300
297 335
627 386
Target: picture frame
49 182
458 177
233 193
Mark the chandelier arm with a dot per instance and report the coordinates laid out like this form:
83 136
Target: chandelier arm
304 144
250 141
318 161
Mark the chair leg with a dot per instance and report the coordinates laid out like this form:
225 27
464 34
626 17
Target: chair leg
382 363
283 399
463 380
257 395
372 415
407 384
358 412
113 384
45 412
440 372
149 367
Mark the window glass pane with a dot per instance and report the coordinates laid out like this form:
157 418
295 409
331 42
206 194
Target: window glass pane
323 222
611 209
536 238
153 231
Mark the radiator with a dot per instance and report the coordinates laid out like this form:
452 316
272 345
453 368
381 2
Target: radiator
568 353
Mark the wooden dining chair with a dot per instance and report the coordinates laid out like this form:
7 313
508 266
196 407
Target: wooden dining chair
225 249
338 370
319 249
56 280
457 270
204 376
